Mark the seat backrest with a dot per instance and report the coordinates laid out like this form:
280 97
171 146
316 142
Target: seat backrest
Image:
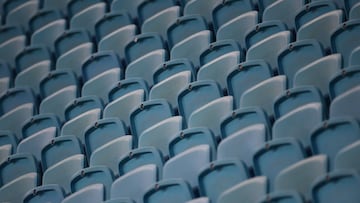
93 192
44 17
32 55
38 123
57 80
126 86
217 49
282 196
172 67
76 6
344 80
16 97
147 9
111 22
71 39
45 193
8 138
81 105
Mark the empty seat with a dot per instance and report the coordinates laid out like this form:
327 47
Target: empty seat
161 133
354 12
329 187
262 4
229 30
54 4
173 67
20 14
8 138
124 187
90 176
110 153
147 9
300 176
263 30
245 76
80 114
355 57
350 4
6 76
222 173
100 71
188 99
33 64
130 7
92 193
139 157
175 189
269 48
45 193
346 157
111 22
282 196
331 136
344 40
284 152
343 81
47 26
5 151
101 132
297 55
202 7
248 191
12 42
58 89
194 159
21 185
218 49
319 73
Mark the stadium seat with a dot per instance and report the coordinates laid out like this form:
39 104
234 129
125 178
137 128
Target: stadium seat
173 67
218 49
343 81
202 7
6 77
354 11
147 9
8 138
20 14
92 193
110 23
129 7
12 42
283 196
5 151
346 157
54 4
45 193
262 4
355 57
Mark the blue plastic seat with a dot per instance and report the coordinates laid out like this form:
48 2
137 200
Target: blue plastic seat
343 81
33 64
6 76
297 55
269 48
355 57
202 7
58 89
110 23
175 189
139 157
282 196
346 157
262 4
20 14
284 152
229 30
130 7
5 152
245 76
188 99
12 42
54 4
73 47
173 67
8 138
229 10
92 193
222 173
333 135
47 26
345 39
328 187
300 176
101 132
354 11
350 4
218 49
90 176
45 193
248 191
124 187
147 9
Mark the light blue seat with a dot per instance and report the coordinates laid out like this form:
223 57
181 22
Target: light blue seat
47 26
263 30
12 42
75 6
20 14
184 27
262 4
8 138
195 159
192 47
246 75
354 11
328 187
124 187
110 153
92 193
229 30
161 133
355 57
147 9
280 197
350 4
161 21
192 137
269 48
175 189
170 87
58 89
145 66
33 64
222 173
54 4
264 94
45 193
17 105
345 39
21 185
284 152
101 132
343 81
319 73
211 114
100 71
110 23
242 144
6 76
297 55
188 99
173 67
248 191
148 114
218 49
5 151
328 22
229 10
72 49
90 176
130 7
312 10
80 114
284 10
202 7
139 157
300 176
143 44
126 86
346 157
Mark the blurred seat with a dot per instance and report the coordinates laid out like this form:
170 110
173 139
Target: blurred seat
92 193
282 196
8 138
131 7
20 12
147 9
6 76
346 157
202 7
45 193
354 11
173 67
218 49
12 42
